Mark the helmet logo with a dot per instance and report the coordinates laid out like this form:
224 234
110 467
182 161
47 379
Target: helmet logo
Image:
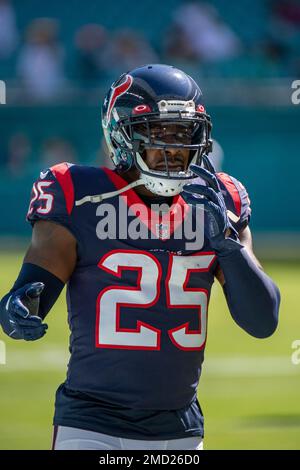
116 92
141 108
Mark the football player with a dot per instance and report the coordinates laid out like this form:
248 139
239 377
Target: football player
137 306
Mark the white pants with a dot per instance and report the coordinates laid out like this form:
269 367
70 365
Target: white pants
67 438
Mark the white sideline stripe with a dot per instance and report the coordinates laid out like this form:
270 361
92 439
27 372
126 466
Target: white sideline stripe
245 366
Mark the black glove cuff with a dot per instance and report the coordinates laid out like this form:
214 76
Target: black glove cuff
53 286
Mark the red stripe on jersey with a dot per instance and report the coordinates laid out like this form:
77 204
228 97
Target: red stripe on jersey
63 176
233 191
178 210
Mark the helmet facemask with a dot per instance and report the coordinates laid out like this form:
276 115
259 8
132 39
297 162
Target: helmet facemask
174 130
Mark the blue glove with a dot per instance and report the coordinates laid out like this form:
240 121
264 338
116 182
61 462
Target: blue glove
217 226
18 313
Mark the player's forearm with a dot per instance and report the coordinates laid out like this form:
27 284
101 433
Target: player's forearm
32 273
252 297
28 302
53 286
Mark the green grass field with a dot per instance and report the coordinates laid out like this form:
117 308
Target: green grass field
249 390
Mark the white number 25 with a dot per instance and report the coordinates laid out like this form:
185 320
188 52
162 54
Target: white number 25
45 199
145 294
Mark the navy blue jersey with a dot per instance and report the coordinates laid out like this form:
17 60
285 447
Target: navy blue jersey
137 305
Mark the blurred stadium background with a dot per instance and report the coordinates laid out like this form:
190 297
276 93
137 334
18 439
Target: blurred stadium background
57 60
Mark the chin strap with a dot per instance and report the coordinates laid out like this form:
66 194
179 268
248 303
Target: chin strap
101 197
139 182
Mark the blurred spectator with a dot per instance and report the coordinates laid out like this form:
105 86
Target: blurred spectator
177 45
283 25
199 33
57 150
91 41
274 52
288 11
40 64
8 29
19 153
127 51
283 29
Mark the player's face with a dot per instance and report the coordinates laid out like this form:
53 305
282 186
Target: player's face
162 133
177 158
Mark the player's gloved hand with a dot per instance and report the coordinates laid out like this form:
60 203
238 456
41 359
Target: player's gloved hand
18 313
217 226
